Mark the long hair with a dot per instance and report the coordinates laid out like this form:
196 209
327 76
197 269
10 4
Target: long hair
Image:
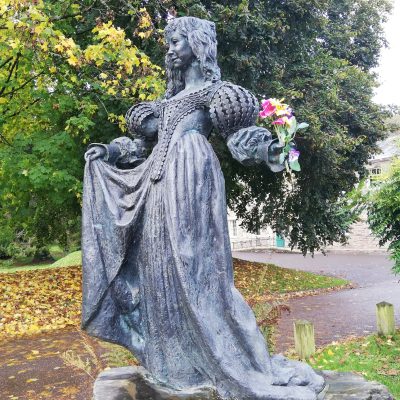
202 38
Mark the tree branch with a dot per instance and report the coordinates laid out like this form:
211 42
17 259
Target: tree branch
22 109
23 85
84 31
66 16
5 140
10 73
6 62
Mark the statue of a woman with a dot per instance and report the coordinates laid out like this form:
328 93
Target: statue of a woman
157 260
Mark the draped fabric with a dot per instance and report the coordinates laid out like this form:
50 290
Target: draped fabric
158 278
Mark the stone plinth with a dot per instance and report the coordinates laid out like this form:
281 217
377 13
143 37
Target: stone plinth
349 386
135 383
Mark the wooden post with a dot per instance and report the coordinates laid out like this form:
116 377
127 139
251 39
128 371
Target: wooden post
385 318
304 340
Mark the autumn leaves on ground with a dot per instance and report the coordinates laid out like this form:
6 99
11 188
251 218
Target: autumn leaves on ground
46 300
45 355
39 301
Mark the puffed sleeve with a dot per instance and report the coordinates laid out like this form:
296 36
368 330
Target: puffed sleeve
142 120
142 124
234 111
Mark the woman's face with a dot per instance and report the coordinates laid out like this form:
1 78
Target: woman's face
179 51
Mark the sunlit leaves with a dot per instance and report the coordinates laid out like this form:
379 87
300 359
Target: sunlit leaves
59 91
39 301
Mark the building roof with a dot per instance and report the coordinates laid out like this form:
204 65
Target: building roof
389 148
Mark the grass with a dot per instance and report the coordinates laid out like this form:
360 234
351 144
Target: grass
253 279
375 357
70 260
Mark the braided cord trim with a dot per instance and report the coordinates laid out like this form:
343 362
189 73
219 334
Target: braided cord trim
173 112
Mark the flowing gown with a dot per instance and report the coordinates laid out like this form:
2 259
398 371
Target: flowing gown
158 274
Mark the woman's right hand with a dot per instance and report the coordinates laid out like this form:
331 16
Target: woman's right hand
95 152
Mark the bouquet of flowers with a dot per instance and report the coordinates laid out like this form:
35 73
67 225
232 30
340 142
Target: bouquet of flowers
281 117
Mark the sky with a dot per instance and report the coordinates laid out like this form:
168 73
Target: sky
389 68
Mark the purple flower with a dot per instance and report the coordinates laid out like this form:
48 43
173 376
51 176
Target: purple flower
293 155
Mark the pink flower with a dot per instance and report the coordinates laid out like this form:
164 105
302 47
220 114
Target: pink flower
293 155
268 108
279 121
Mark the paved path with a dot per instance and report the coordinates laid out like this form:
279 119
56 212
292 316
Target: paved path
32 367
336 315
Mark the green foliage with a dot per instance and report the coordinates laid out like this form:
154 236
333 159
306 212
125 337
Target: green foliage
319 57
68 72
384 213
66 76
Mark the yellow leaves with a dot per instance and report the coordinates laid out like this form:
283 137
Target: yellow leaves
128 65
51 51
94 53
68 48
30 380
68 43
144 35
111 91
110 34
39 301
59 48
73 60
69 390
44 46
15 43
145 26
119 119
39 28
36 14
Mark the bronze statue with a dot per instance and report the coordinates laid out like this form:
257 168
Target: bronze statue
157 260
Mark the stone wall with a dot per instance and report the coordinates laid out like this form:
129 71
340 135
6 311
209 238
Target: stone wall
360 239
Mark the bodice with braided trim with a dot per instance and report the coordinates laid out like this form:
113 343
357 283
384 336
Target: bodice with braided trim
230 108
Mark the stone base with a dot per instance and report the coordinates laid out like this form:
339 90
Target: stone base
135 383
349 386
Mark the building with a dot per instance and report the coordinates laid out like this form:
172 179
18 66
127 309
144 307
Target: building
360 238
